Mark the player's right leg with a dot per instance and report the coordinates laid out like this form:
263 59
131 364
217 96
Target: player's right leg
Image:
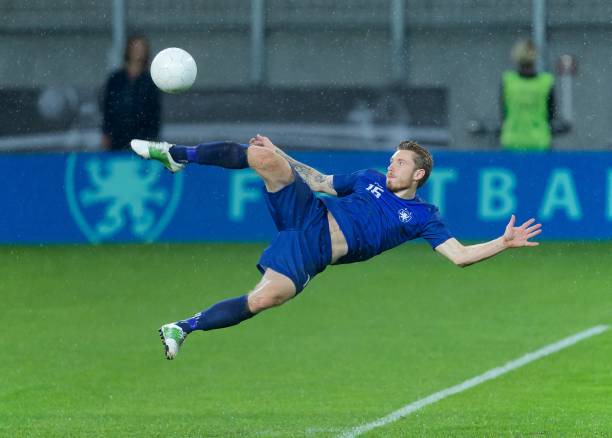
224 154
271 167
274 169
273 290
160 151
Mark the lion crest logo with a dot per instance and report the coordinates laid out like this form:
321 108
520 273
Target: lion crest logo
120 198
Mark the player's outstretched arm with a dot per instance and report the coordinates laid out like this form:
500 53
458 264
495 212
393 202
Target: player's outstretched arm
317 181
513 237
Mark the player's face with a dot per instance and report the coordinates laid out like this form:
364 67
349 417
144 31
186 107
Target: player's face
402 171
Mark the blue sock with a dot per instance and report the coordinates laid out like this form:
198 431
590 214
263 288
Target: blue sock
220 153
223 314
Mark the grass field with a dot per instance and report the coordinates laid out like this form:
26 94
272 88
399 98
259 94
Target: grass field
81 355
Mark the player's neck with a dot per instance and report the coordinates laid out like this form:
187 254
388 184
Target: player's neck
407 193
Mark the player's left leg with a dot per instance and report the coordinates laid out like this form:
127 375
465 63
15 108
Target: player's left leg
273 290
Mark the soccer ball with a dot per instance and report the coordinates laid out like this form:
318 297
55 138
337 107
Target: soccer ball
173 70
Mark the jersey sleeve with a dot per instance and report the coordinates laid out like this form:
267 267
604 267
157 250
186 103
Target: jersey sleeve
345 184
435 231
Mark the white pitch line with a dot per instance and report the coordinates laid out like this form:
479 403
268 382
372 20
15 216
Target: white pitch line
488 375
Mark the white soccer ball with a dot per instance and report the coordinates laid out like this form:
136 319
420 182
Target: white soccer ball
173 70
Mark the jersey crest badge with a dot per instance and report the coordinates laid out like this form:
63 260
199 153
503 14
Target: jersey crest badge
405 215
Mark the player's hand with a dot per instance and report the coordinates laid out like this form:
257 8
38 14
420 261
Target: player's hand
515 237
260 140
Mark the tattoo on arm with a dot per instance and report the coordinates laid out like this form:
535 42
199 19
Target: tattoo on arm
315 179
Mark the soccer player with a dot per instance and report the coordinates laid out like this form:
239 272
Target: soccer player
368 213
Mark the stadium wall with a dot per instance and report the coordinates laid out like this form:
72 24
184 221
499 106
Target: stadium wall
97 198
462 45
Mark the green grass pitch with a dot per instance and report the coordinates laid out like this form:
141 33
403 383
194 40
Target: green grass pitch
80 353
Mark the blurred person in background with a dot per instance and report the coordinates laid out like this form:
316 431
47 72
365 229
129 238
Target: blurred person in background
527 102
131 101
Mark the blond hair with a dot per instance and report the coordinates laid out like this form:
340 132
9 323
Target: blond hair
422 158
524 53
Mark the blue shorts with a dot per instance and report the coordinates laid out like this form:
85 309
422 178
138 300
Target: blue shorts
302 247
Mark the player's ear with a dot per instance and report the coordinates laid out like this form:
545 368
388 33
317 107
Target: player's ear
419 174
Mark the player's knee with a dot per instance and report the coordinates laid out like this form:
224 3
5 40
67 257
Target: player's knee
259 302
264 159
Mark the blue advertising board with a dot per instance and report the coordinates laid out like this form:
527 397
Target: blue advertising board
80 198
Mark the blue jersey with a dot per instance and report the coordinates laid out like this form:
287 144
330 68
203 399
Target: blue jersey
373 219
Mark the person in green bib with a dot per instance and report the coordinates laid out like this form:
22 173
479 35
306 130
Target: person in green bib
527 103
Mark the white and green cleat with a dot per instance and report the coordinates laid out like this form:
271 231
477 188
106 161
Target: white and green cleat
159 151
172 337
